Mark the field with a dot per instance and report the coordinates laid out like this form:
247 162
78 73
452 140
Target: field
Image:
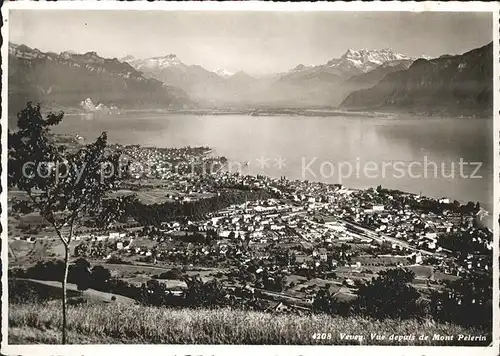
26 253
116 323
153 196
54 288
159 195
422 271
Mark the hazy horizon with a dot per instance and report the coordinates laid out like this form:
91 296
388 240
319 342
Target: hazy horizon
258 43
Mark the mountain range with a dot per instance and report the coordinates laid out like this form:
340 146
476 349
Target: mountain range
357 80
460 84
303 85
350 64
67 79
329 83
205 86
224 73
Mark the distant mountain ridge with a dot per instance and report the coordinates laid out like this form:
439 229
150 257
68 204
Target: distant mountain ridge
224 73
204 85
378 73
367 60
359 79
351 63
154 63
328 84
307 85
66 79
448 84
373 77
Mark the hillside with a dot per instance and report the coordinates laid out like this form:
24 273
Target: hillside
351 63
54 288
116 323
458 84
217 87
321 85
67 79
328 84
374 76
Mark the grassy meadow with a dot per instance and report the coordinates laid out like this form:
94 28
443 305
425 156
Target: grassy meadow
118 323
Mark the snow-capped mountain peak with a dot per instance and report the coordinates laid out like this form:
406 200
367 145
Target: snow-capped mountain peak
127 58
224 73
365 59
300 68
157 63
374 55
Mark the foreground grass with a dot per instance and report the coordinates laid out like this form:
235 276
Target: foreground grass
115 323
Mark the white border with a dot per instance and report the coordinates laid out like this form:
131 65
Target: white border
436 6
3 178
492 7
496 178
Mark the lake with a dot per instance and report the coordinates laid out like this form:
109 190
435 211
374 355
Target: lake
410 153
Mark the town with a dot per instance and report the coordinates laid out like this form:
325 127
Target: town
278 241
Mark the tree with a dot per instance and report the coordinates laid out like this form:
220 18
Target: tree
280 282
174 273
80 274
64 185
200 294
155 292
322 302
389 296
48 270
466 301
100 277
81 250
252 277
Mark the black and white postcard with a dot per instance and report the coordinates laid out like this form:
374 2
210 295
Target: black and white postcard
249 178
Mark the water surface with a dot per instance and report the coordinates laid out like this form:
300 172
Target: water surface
327 142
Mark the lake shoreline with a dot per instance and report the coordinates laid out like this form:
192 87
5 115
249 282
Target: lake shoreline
309 145
264 111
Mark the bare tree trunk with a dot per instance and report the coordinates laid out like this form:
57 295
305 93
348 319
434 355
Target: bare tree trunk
64 283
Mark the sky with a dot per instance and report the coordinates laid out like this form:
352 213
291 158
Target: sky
255 42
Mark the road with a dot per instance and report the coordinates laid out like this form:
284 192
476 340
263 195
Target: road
379 237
